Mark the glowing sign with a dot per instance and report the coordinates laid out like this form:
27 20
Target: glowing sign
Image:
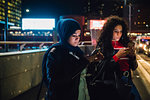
38 24
96 24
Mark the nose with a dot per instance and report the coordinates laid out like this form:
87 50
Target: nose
77 37
119 33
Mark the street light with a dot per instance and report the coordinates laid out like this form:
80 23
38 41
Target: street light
130 5
27 10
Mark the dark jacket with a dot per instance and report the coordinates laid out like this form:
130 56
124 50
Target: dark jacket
112 65
109 92
63 72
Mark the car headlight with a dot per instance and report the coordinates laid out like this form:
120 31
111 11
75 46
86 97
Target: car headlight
140 45
144 47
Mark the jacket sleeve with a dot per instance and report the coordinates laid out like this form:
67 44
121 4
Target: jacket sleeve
113 65
54 68
133 63
57 72
82 63
112 62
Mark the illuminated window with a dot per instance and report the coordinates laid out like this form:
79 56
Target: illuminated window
143 22
11 20
3 1
8 15
138 22
102 4
9 4
3 9
0 8
9 11
134 23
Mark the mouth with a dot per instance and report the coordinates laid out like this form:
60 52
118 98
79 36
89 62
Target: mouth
117 39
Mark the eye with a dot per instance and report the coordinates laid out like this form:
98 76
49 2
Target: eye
115 31
75 35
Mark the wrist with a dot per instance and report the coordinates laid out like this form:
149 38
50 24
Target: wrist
117 56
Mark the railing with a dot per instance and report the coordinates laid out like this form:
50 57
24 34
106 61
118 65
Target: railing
20 45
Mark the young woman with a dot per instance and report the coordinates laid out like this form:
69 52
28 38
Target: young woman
64 63
117 50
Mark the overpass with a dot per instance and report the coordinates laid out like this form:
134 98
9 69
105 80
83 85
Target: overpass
21 74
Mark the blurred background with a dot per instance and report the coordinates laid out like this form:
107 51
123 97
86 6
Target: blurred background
28 28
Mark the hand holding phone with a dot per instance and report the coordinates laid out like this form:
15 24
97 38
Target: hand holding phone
131 50
122 52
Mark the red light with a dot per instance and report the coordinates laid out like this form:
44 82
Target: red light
97 24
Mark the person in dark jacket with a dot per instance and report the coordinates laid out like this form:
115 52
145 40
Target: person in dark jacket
118 49
64 62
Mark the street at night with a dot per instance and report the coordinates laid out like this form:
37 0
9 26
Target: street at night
141 76
28 28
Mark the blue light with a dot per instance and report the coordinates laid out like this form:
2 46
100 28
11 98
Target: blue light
38 23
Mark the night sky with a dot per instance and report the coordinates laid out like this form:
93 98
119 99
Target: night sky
47 8
55 8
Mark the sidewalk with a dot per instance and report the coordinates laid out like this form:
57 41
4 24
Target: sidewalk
32 93
144 68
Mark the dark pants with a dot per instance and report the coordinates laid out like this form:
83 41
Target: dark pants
134 94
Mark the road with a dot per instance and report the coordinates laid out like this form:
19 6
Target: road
141 76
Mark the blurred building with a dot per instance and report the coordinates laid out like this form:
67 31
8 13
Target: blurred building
99 9
14 11
13 14
102 8
140 18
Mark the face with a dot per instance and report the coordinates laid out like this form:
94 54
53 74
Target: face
74 38
117 33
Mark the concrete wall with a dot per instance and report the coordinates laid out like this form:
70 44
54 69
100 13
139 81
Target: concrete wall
20 71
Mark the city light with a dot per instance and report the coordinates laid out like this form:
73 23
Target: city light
38 23
96 24
27 10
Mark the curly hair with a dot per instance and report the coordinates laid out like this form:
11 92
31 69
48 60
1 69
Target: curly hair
105 39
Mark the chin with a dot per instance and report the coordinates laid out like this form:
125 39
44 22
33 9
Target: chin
75 45
116 39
